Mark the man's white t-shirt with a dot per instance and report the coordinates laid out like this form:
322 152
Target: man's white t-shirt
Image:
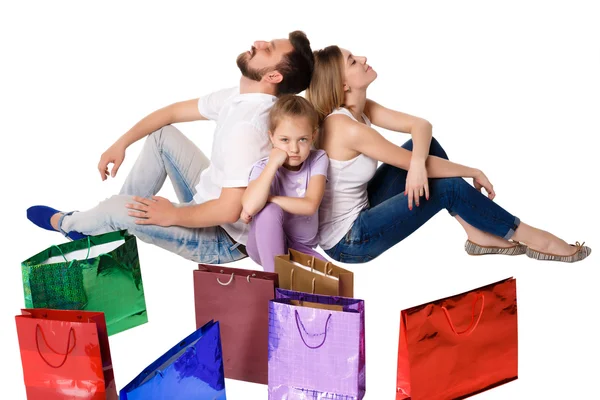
240 140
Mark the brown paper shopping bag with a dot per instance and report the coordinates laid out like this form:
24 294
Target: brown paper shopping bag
303 273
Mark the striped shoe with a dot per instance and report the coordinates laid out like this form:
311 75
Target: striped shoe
475 249
581 252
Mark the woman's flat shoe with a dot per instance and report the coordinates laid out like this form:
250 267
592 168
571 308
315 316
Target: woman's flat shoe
580 253
475 249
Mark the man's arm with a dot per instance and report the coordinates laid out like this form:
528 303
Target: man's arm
224 210
183 111
160 211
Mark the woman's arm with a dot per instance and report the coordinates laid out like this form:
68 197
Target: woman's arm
366 140
419 128
307 205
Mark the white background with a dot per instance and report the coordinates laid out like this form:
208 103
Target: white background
510 88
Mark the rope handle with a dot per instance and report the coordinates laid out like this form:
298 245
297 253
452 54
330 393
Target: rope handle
231 279
292 282
473 324
88 255
311 264
299 323
228 283
38 329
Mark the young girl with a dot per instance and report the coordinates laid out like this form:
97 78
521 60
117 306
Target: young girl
285 190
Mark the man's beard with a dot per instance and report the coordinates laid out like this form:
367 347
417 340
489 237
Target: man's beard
250 73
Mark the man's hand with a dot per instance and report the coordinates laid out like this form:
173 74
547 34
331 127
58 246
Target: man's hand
115 154
154 211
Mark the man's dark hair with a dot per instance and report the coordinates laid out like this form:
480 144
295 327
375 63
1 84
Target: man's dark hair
296 66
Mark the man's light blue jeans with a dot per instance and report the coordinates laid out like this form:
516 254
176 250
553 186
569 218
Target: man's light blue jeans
166 152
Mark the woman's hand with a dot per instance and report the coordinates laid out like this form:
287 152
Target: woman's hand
115 154
416 183
481 181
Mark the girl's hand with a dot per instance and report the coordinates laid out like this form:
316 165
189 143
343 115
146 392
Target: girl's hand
244 216
278 156
416 183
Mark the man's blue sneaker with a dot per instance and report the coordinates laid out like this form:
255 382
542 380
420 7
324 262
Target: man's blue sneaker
40 216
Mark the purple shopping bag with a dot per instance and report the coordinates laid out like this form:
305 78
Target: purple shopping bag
316 347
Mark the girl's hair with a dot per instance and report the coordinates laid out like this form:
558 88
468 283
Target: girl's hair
326 89
290 105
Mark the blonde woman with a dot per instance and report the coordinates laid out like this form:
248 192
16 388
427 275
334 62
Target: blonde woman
366 210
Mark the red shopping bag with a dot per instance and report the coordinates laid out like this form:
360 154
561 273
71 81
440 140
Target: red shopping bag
456 347
65 355
239 300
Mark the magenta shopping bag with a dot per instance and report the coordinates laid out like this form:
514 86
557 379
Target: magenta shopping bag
316 347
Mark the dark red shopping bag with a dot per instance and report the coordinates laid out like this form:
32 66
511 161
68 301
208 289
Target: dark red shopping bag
239 300
456 347
65 355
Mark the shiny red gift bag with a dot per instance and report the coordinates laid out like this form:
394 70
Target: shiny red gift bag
456 347
65 355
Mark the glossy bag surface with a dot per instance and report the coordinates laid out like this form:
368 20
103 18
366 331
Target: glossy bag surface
316 347
100 273
459 346
65 355
192 369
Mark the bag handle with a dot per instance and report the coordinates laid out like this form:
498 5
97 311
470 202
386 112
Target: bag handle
299 323
292 282
38 328
87 255
311 264
473 324
231 279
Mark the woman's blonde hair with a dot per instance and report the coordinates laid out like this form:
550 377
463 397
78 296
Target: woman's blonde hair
290 105
326 89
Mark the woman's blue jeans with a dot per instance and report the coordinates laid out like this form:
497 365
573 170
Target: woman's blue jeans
388 220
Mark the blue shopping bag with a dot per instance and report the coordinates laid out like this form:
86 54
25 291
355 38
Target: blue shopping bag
193 369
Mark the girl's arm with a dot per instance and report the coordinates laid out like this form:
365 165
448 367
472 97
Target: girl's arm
307 205
257 193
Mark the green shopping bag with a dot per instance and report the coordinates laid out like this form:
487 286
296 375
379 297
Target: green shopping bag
100 273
